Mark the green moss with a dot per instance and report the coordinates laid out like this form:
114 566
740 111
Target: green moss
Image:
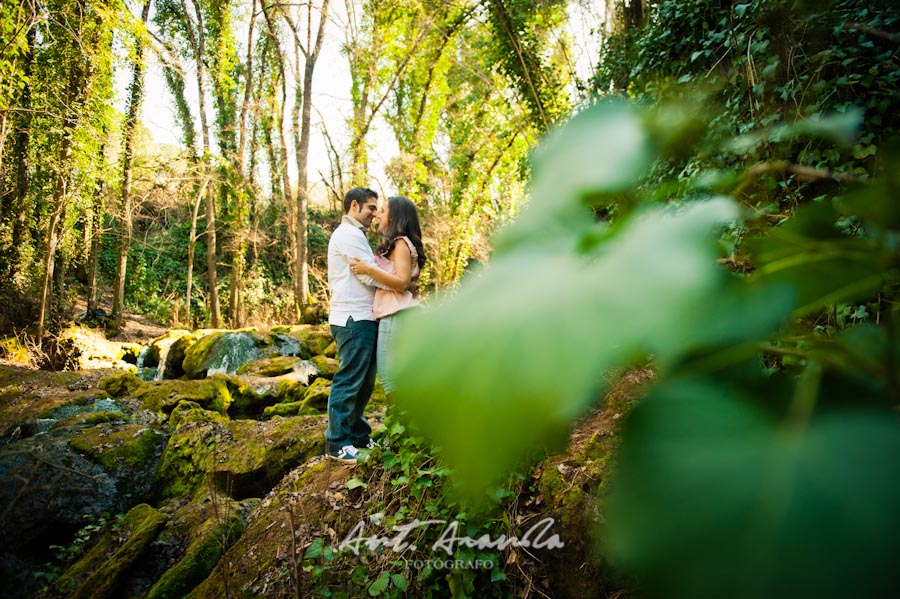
290 391
318 341
120 384
247 401
327 366
191 411
283 409
113 446
242 458
184 461
200 557
98 574
13 350
174 363
163 396
379 398
269 367
202 354
198 351
317 338
223 399
316 395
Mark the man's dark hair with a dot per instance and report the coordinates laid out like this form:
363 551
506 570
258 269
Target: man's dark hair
358 195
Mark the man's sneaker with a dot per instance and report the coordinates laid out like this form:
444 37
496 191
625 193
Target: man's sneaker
371 444
347 454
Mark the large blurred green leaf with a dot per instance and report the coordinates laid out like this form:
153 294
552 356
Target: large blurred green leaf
520 350
713 497
602 150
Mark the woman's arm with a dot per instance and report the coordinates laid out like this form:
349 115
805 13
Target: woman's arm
402 266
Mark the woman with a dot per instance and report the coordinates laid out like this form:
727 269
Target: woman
399 260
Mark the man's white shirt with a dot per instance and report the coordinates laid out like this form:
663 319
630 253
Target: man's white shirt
351 294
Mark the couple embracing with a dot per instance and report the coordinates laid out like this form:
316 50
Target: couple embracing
367 292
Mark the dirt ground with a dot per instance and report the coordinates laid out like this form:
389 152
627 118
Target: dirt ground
137 329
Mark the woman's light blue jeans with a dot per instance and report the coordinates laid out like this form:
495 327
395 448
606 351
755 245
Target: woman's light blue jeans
387 327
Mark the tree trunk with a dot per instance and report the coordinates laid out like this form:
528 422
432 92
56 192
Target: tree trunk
301 143
59 206
198 45
241 217
192 245
126 222
74 99
96 226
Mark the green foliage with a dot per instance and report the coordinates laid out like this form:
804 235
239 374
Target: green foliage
408 482
773 420
522 34
717 495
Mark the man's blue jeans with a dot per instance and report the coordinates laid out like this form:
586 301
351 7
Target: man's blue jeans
352 385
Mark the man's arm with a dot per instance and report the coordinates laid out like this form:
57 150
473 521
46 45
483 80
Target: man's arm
356 247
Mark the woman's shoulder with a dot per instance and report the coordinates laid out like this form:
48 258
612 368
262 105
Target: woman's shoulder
408 244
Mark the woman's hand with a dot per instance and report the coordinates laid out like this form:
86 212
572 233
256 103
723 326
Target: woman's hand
358 267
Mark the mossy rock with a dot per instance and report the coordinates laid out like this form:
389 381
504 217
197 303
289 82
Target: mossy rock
379 398
120 384
159 346
206 528
304 506
291 391
162 396
331 350
316 337
327 366
223 351
173 365
197 352
102 417
291 408
285 344
571 486
270 367
129 452
191 411
99 573
316 395
241 458
130 352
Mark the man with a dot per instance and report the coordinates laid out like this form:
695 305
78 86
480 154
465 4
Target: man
354 329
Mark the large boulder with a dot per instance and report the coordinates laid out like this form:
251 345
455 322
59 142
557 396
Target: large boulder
222 352
239 459
78 462
162 396
310 503
188 548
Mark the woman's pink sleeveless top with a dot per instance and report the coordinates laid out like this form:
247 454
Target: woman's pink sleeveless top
388 302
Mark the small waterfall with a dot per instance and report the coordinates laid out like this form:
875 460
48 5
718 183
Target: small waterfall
141 357
230 352
163 355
